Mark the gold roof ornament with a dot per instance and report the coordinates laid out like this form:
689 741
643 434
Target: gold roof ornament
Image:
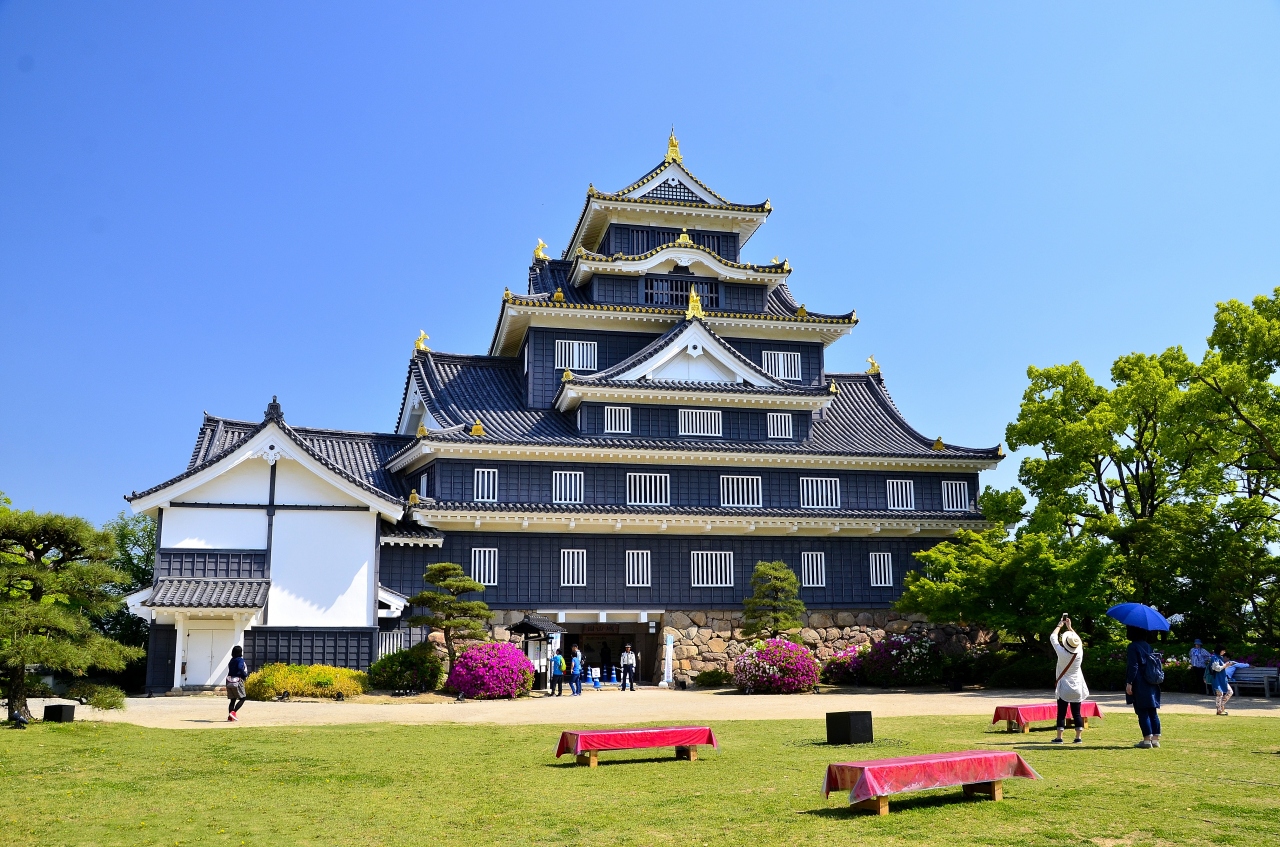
938 445
767 205
683 239
421 343
538 251
413 498
673 149
558 297
834 389
775 260
875 366
422 430
477 429
802 312
695 306
568 375
1000 449
506 294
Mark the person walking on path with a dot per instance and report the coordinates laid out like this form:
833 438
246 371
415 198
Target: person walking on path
575 673
1142 669
237 673
1216 675
557 674
627 663
1071 687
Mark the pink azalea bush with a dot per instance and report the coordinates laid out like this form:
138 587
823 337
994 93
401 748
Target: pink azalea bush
491 670
776 666
894 660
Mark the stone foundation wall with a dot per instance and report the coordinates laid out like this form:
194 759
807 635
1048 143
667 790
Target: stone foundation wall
711 640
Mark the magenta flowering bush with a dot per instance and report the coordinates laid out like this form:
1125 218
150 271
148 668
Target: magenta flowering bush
776 666
491 670
845 667
894 660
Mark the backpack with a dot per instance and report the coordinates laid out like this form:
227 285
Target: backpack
560 664
1152 669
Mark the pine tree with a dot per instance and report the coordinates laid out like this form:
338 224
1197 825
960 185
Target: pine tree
774 605
456 618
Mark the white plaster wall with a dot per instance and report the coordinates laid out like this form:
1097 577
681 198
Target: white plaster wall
298 486
235 529
247 482
322 569
686 367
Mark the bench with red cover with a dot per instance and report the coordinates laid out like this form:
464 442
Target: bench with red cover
1019 718
585 744
870 783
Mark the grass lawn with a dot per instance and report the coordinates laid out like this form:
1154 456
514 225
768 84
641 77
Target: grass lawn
1215 781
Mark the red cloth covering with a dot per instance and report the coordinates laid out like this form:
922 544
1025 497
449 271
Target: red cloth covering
634 739
1030 712
881 777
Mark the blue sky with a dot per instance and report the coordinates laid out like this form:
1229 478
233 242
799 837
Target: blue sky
202 205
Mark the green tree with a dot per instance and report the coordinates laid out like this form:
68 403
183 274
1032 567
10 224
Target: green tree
774 605
55 579
134 555
458 619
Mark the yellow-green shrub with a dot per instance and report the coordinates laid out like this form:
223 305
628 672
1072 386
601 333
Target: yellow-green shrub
270 681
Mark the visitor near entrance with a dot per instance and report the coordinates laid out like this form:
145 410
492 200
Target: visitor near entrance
576 668
557 673
237 673
627 665
1071 687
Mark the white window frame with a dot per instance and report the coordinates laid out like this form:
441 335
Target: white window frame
955 496
573 568
820 492
779 365
567 486
486 486
780 425
639 572
882 570
422 485
575 355
742 492
648 489
617 420
708 422
484 565
711 568
901 494
813 570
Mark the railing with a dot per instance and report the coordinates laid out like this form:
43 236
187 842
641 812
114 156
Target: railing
390 642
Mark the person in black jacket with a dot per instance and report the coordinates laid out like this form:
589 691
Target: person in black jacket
1144 696
237 672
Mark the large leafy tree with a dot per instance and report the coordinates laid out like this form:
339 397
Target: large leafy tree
774 605
457 618
134 542
55 579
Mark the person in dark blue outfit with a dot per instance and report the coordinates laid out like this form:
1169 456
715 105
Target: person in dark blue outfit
237 672
1144 696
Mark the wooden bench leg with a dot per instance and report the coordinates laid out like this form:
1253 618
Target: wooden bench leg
1009 726
993 789
1026 727
589 758
877 805
690 753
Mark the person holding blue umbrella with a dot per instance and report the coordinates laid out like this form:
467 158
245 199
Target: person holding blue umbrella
1144 671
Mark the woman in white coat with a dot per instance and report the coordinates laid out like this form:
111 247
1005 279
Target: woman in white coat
1070 687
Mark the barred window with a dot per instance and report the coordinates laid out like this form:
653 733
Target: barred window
955 496
813 570
484 565
486 485
575 355
782 365
882 570
902 494
566 486
700 422
648 489
617 420
780 425
739 491
711 569
638 573
819 492
573 568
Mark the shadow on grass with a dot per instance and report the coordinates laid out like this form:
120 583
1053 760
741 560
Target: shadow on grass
608 763
896 805
878 743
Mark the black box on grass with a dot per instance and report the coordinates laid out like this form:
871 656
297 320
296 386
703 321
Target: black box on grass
60 713
849 728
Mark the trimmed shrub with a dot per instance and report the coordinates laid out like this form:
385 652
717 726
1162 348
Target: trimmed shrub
416 669
37 687
893 660
710 679
1036 671
97 696
492 670
845 667
271 681
776 666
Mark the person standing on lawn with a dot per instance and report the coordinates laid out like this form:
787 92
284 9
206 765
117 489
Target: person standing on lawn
1216 675
237 673
1071 687
627 663
1140 660
557 673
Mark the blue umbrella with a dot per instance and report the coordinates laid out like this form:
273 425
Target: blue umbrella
1136 614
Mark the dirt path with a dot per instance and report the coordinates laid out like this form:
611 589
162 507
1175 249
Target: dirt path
615 707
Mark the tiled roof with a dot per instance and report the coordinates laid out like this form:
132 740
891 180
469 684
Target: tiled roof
209 593
411 533
714 511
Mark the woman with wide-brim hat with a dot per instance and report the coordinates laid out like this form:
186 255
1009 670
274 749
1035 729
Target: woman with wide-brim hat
1070 688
